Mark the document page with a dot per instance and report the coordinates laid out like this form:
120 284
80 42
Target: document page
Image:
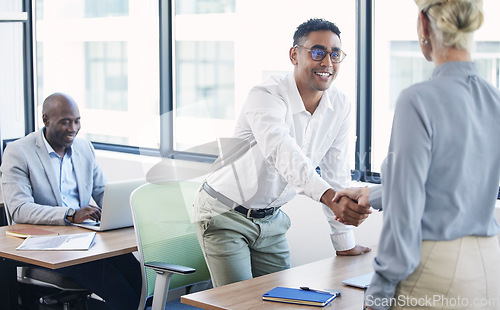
72 242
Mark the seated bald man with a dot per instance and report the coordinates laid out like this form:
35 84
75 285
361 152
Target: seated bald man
49 177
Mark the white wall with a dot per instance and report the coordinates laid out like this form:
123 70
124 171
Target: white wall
309 235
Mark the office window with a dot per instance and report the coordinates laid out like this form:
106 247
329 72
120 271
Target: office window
487 58
99 8
39 70
204 6
11 80
106 75
205 72
105 54
399 63
407 67
224 48
12 89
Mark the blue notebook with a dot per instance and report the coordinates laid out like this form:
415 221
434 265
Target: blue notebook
298 296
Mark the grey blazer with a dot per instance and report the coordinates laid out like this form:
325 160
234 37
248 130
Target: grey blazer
30 187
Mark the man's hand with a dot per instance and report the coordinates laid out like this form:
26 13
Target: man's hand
359 194
347 210
88 212
357 250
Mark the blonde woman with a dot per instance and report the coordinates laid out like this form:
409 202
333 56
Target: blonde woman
439 247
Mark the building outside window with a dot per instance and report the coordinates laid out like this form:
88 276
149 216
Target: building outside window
99 8
224 48
11 70
399 63
106 55
106 75
205 72
204 6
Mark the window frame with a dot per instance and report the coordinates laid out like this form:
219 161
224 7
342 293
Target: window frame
364 36
26 18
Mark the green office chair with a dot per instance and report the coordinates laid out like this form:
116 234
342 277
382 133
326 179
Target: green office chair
166 239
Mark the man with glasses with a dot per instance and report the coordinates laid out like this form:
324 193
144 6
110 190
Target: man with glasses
291 137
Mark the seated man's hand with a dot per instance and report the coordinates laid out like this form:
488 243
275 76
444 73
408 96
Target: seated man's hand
88 212
357 250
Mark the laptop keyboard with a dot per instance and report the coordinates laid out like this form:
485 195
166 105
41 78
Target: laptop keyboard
91 223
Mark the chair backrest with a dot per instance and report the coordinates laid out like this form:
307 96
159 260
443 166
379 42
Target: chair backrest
164 230
3 216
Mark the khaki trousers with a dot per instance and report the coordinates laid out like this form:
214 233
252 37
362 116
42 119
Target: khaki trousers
457 274
237 248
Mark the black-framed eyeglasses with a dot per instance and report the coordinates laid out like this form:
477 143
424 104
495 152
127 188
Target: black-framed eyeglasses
318 54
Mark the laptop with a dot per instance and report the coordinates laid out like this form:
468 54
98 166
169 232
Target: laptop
362 281
116 212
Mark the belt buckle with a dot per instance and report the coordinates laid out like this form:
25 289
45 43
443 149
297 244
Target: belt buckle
249 211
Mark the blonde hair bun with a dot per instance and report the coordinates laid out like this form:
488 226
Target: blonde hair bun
460 16
453 21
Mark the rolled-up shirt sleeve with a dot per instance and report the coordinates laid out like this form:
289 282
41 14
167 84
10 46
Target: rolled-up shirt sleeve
335 170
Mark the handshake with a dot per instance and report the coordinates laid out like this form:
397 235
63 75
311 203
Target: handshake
351 206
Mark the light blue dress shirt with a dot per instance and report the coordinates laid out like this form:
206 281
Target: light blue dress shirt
440 178
63 167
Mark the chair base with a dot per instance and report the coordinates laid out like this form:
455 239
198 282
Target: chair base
34 297
65 300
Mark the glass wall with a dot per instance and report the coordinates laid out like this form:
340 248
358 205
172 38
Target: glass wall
12 89
225 47
105 54
398 62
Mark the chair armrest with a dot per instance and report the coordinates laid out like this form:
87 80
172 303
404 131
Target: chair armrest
164 267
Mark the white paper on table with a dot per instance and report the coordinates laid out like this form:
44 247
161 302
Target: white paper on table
72 242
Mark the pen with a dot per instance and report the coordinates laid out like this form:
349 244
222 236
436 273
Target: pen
305 288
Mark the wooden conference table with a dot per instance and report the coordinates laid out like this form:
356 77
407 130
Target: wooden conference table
324 274
107 244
